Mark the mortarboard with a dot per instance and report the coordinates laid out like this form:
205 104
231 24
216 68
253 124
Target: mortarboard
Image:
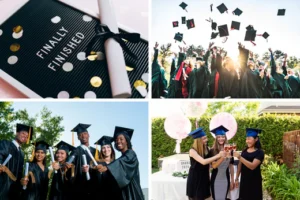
237 12
190 23
178 36
198 133
223 30
183 20
265 35
235 25
281 12
199 58
213 25
175 24
81 128
183 6
29 129
252 132
104 140
123 130
64 146
250 35
220 130
250 28
214 35
222 8
41 145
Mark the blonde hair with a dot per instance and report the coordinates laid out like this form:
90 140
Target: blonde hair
199 146
216 147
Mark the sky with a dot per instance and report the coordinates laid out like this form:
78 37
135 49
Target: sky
284 31
103 117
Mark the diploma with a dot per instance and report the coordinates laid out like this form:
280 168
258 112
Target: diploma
26 173
52 156
119 81
7 159
71 159
91 156
85 163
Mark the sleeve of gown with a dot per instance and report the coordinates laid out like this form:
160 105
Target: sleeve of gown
284 68
213 63
3 151
180 59
219 63
173 68
260 156
206 56
273 65
244 55
124 168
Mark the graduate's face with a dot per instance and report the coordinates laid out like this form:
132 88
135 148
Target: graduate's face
84 137
204 139
221 139
106 150
22 137
121 142
40 155
61 155
251 141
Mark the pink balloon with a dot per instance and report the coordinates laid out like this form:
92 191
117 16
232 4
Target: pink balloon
225 119
194 109
177 126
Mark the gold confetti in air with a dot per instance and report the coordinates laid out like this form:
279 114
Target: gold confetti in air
17 29
96 56
76 98
129 68
139 83
96 81
14 47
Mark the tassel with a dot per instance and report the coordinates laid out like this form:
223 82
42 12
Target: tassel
9 173
32 153
29 134
72 138
253 43
73 171
97 154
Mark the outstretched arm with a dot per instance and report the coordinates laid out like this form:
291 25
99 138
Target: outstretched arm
155 52
273 65
284 65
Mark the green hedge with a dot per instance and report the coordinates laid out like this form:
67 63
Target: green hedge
273 127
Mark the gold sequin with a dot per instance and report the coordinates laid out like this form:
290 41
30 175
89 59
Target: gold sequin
139 83
14 47
17 29
129 68
92 57
96 81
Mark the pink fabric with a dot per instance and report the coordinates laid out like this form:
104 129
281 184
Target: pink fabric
7 91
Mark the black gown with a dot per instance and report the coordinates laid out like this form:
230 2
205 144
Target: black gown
294 84
8 188
251 180
81 188
39 189
61 185
171 88
125 171
212 78
198 184
159 82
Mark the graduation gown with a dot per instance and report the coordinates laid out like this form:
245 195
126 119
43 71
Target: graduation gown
107 187
213 79
39 189
61 185
171 88
293 82
125 171
159 82
281 83
252 85
81 188
8 188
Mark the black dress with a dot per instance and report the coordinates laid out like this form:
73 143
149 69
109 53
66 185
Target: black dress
198 184
39 189
251 180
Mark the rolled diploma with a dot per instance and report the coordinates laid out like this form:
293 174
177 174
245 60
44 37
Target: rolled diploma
7 159
71 159
26 173
119 81
85 163
91 156
52 156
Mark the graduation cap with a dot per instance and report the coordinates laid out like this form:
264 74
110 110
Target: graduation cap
104 140
252 132
250 36
183 6
199 59
198 133
28 129
65 146
190 23
222 8
220 130
235 25
237 12
211 7
123 130
81 128
175 24
178 36
223 30
250 28
213 25
183 20
40 145
281 12
214 35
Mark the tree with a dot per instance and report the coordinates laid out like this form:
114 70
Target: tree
192 48
7 119
165 51
292 62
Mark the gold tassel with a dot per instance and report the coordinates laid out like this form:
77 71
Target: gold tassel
29 134
32 177
32 153
97 154
73 171
9 173
73 139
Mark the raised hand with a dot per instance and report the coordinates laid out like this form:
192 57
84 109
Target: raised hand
210 45
270 50
55 165
85 168
156 45
180 48
184 49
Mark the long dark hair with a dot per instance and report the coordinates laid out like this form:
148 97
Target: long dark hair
129 146
44 161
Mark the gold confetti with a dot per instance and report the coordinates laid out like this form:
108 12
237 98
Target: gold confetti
76 98
92 57
139 83
93 53
14 47
96 81
129 68
17 29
